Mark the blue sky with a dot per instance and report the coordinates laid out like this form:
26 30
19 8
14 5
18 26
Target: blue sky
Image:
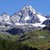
12 6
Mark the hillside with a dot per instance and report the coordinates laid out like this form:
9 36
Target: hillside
39 39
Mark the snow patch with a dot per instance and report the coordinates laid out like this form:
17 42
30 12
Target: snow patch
39 25
42 18
31 24
27 18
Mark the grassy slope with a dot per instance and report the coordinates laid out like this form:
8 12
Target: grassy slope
32 39
35 41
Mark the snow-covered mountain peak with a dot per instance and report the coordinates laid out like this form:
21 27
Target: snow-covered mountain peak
27 15
4 18
29 8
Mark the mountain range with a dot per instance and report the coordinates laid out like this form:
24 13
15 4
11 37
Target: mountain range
27 19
